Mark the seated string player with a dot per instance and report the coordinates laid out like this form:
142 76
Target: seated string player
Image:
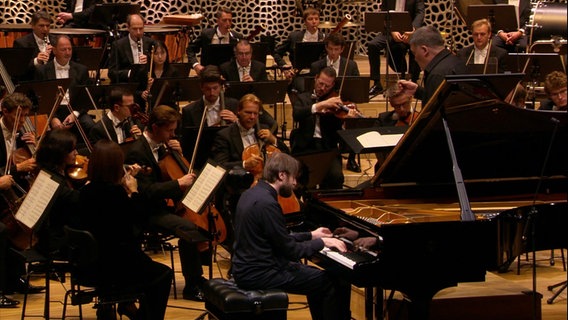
243 68
483 51
555 88
221 34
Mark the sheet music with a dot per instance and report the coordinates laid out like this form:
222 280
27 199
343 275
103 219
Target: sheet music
203 187
374 139
38 198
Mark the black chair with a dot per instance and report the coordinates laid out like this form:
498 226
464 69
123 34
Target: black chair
85 285
156 241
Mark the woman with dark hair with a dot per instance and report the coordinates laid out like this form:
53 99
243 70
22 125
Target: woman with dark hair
121 262
161 68
56 152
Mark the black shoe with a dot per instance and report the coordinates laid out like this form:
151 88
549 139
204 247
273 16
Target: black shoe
353 166
23 287
193 292
375 90
6 302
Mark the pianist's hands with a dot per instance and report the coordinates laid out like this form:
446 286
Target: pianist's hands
366 242
335 243
321 232
346 233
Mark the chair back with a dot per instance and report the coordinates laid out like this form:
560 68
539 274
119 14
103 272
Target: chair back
83 255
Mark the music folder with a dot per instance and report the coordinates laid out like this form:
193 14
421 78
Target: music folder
202 189
369 140
39 199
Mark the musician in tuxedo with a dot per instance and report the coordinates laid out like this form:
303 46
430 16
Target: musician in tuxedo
555 88
429 49
221 34
129 54
39 40
477 53
62 67
146 152
317 125
161 68
401 113
78 13
515 40
118 121
311 33
266 256
334 46
398 44
243 68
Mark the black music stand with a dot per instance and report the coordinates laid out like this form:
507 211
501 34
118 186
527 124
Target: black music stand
269 92
88 56
355 89
349 136
314 167
501 16
536 66
188 138
43 93
100 94
259 51
307 53
171 91
216 54
16 61
182 68
112 14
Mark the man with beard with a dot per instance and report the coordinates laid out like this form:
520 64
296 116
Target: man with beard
266 256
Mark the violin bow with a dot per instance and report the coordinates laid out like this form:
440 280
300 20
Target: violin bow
79 127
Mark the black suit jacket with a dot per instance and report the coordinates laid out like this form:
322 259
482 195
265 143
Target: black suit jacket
289 45
204 39
414 7
494 52
121 61
230 71
98 131
3 154
193 112
444 63
302 138
352 69
28 41
81 19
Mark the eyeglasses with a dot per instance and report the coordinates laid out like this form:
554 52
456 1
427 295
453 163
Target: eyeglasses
559 93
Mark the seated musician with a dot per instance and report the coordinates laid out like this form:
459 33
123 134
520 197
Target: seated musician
555 88
514 40
62 67
129 55
477 52
221 34
161 68
318 125
429 49
243 68
56 154
518 96
266 255
147 151
397 43
22 140
311 19
78 13
334 46
118 120
121 261
39 40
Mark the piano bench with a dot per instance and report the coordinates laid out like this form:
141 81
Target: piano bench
225 301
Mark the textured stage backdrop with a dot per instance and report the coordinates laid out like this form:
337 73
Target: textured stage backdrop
281 16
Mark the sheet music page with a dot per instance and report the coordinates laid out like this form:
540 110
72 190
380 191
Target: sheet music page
203 187
37 199
374 139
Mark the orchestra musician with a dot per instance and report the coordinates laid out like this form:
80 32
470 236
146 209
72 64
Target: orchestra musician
429 49
398 44
129 55
78 13
39 40
514 40
311 33
243 68
477 52
118 120
221 34
266 256
121 261
62 67
555 88
334 46
161 68
146 152
318 124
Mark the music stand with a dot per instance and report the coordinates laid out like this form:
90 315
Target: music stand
18 59
188 138
315 165
174 90
349 136
43 93
307 53
88 56
377 21
269 92
111 14
100 94
506 13
538 65
259 51
182 68
355 89
216 54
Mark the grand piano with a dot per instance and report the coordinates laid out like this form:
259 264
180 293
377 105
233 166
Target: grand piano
417 204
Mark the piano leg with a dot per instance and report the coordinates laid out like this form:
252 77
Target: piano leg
369 300
373 303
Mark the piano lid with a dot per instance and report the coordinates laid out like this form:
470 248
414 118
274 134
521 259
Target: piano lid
493 140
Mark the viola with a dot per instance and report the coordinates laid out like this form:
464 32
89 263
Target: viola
407 121
78 171
136 113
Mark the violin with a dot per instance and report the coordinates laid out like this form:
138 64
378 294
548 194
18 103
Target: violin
407 121
136 113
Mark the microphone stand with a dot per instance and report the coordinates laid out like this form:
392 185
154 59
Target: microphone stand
530 225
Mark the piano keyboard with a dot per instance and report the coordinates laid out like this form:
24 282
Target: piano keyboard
349 258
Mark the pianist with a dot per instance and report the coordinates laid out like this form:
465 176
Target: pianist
266 256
